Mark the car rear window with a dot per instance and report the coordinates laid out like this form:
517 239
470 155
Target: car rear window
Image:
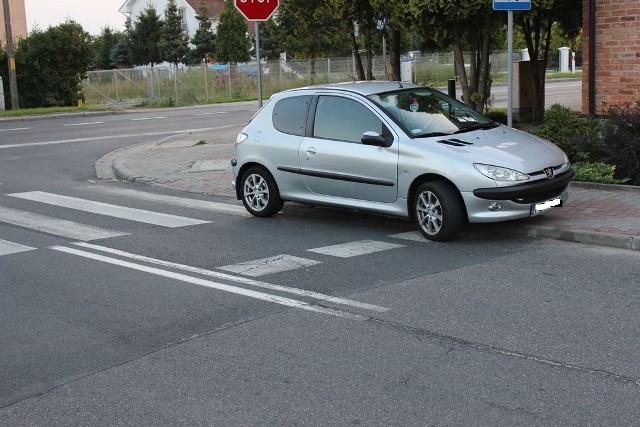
290 114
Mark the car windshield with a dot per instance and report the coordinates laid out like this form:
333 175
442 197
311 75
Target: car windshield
424 112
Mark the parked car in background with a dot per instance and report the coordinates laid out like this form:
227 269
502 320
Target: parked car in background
251 69
395 148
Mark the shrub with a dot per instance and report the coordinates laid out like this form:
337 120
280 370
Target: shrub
621 140
574 134
596 172
496 115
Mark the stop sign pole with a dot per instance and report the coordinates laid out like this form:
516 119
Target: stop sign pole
256 11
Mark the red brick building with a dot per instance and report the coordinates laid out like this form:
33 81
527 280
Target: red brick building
611 53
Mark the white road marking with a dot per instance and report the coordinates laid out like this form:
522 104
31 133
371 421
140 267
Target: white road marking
209 284
127 136
83 124
239 279
275 264
55 226
13 129
351 249
107 209
415 236
172 200
7 247
147 118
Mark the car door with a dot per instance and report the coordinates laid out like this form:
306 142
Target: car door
335 162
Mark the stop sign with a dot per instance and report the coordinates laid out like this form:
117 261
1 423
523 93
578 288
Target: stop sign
257 10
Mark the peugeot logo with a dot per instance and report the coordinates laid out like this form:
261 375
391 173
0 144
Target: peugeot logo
549 172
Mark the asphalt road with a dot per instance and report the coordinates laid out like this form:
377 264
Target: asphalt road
182 309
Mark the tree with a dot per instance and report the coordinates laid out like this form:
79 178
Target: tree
357 14
400 18
466 24
204 40
233 43
120 53
173 43
537 27
309 30
104 45
269 41
143 39
51 65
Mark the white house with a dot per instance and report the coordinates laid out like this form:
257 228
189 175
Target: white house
188 9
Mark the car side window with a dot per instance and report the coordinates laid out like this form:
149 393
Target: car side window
290 114
343 119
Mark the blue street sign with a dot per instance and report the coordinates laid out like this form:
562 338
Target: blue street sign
511 4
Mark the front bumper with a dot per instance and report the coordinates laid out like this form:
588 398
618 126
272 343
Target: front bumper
515 201
530 192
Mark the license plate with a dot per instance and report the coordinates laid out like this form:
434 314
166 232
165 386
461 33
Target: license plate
538 208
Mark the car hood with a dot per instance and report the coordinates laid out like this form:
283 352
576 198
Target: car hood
503 146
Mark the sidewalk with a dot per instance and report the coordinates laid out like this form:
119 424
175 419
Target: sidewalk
605 215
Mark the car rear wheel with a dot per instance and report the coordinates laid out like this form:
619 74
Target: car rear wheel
438 210
260 194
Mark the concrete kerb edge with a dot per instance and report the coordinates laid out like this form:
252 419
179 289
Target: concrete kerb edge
606 187
118 167
596 238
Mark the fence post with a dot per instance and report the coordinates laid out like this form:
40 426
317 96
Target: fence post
229 79
175 84
206 82
115 83
2 107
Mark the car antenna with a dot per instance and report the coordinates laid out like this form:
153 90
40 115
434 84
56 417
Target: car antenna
399 82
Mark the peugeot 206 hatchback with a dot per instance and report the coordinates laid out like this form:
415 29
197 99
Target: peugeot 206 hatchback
394 148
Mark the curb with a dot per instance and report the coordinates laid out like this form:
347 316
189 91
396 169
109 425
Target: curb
606 187
596 238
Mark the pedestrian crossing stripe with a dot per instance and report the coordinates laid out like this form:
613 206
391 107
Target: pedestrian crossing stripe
7 248
276 264
55 226
173 200
100 208
352 249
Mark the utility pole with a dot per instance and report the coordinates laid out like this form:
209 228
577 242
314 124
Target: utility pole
13 80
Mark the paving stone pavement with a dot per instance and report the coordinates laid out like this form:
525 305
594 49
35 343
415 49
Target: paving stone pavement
606 215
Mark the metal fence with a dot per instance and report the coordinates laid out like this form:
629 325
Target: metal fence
168 85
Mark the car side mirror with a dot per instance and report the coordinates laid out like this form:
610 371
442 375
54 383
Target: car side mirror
375 139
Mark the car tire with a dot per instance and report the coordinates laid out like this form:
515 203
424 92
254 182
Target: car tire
438 210
259 192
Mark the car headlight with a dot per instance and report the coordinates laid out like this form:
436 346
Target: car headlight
499 173
242 137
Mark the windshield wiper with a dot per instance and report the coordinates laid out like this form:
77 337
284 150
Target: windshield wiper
430 134
484 126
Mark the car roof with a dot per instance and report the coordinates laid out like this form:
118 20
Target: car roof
364 88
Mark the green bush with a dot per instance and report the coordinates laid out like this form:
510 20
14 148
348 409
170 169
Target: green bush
596 172
497 115
621 140
574 134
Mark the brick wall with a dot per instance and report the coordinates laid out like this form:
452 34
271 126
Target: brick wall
617 53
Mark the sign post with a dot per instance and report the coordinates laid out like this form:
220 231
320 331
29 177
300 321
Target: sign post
510 6
257 10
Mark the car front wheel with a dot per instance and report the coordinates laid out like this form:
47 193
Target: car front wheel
438 210
260 194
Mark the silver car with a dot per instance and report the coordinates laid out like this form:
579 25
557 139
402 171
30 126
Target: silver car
395 148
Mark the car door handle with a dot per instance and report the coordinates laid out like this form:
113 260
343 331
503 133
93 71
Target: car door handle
311 151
